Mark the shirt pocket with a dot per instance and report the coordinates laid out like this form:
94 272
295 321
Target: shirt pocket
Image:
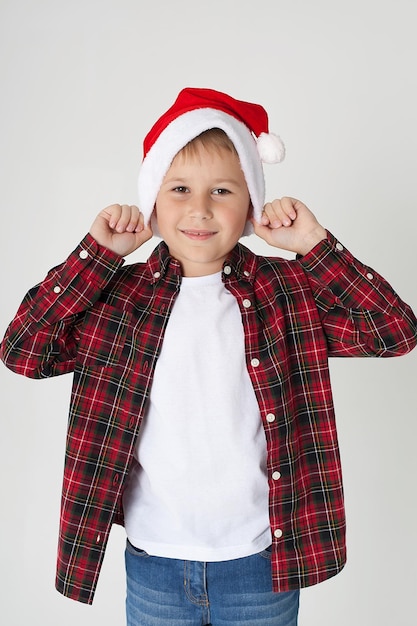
103 336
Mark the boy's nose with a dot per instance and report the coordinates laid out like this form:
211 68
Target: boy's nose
201 208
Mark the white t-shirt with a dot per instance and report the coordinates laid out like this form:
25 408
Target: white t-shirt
198 489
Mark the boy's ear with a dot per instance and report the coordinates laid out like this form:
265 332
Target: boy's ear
154 222
250 211
153 217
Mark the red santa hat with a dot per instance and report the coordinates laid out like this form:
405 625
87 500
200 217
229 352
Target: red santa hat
193 112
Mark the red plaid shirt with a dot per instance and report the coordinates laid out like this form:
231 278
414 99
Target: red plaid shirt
105 323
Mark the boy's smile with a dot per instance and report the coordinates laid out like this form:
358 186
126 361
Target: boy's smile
202 208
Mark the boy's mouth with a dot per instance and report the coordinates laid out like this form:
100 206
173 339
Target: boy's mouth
198 234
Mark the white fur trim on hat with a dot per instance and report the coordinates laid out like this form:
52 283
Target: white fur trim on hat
180 132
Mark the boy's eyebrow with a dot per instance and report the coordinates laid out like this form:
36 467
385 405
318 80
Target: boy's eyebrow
177 179
216 181
226 180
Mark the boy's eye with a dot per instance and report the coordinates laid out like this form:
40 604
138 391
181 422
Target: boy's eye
220 192
181 189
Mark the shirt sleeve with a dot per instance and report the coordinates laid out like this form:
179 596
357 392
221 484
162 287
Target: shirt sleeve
41 340
361 313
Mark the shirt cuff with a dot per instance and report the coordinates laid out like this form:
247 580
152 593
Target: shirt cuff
95 262
328 259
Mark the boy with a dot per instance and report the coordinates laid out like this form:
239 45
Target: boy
201 413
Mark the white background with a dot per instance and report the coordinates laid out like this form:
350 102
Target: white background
81 84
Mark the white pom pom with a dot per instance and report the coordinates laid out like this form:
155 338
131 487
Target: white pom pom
270 148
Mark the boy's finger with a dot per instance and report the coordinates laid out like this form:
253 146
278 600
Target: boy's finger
140 223
275 215
143 234
124 218
279 212
134 219
288 206
113 213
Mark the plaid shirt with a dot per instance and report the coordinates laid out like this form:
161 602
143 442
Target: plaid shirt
105 323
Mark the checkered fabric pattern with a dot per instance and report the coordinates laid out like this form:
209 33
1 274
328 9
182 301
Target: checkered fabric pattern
105 323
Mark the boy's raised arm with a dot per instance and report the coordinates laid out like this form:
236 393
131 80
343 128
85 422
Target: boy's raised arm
361 313
42 339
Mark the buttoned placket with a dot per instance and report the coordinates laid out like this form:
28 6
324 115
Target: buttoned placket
246 301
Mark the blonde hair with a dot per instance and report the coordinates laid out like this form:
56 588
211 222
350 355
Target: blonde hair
213 138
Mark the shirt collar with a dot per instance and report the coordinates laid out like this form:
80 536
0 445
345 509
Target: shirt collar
161 262
241 263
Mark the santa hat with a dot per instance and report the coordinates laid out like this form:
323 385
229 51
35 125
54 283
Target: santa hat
193 112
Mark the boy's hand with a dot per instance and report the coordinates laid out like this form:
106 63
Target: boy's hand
288 224
120 228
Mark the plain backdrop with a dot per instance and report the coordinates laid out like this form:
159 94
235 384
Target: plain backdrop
81 84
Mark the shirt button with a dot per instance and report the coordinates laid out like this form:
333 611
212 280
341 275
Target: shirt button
227 269
246 303
270 418
370 276
254 362
83 254
276 475
157 275
246 273
278 533
339 247
57 289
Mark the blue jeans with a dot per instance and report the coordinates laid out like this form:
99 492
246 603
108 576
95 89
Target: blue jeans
172 592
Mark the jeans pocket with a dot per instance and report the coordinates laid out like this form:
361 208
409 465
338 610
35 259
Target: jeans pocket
266 554
135 551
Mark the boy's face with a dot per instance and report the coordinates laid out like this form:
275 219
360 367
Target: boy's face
202 208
